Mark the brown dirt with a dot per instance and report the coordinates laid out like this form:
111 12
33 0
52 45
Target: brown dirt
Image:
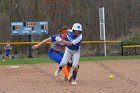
92 78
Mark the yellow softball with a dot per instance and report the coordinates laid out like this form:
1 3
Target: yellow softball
111 76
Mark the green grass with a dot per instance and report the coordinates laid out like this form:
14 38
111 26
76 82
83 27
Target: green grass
47 60
26 61
101 58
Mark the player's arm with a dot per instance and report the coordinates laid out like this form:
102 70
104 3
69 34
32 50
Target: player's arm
11 47
58 38
42 42
66 42
4 47
74 42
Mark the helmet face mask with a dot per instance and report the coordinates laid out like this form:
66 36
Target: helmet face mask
76 32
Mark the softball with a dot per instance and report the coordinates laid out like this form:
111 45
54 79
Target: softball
111 76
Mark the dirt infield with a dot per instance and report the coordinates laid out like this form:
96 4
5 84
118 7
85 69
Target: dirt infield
92 78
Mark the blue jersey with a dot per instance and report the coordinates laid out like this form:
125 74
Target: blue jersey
76 40
57 45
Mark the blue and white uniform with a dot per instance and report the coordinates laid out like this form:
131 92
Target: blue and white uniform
7 47
56 49
72 51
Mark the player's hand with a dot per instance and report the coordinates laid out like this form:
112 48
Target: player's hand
58 38
35 46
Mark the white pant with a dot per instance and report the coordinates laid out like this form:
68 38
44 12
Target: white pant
74 54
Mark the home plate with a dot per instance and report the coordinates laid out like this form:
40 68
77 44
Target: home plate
14 67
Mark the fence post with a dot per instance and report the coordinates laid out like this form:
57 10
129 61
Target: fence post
22 50
30 48
122 47
98 49
135 51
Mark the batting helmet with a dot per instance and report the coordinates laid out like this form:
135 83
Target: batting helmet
77 26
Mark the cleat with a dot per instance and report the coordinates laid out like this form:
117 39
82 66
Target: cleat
57 72
74 82
70 77
65 78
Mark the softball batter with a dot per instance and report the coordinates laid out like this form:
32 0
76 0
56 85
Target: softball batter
73 43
